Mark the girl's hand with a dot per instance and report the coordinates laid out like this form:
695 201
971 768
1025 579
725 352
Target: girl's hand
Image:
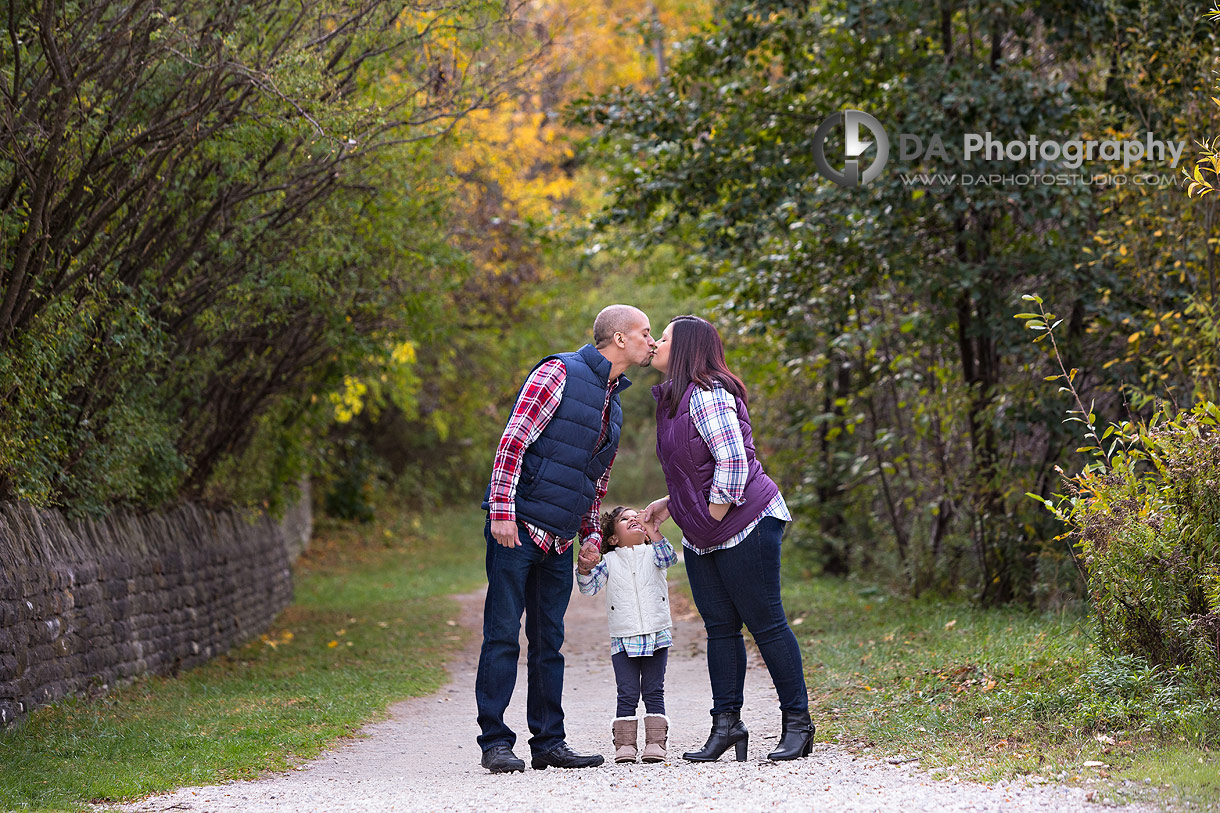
718 510
653 531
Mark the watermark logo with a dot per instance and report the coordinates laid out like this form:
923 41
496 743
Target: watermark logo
854 147
982 148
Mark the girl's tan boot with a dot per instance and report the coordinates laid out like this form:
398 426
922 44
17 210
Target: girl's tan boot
656 733
625 729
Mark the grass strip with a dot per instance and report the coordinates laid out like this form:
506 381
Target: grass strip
987 694
370 625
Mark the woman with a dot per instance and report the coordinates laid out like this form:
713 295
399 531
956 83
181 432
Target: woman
732 518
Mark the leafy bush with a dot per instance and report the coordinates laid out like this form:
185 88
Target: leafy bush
1149 537
1145 517
241 209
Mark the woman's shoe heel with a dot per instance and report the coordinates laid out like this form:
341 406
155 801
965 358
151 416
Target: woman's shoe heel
796 740
727 730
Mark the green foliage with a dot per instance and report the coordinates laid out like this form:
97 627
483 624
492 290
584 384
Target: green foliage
1149 536
1126 692
902 378
1145 515
209 230
903 402
352 491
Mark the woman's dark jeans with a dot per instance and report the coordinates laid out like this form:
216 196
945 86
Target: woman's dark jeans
741 584
645 676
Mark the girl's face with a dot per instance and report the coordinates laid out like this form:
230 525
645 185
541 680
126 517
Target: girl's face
660 358
628 530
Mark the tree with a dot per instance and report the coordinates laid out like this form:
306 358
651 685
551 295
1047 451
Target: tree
178 184
914 406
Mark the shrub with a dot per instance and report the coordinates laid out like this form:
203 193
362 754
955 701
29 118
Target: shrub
1149 537
1145 518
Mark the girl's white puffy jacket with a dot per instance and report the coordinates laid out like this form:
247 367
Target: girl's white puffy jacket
637 596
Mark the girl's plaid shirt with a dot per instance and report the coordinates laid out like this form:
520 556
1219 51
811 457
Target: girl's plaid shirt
636 646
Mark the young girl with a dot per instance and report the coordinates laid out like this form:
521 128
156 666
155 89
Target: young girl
637 608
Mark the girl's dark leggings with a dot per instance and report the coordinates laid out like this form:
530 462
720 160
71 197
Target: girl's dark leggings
636 677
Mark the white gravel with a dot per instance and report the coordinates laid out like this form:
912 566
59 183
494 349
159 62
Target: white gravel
424 758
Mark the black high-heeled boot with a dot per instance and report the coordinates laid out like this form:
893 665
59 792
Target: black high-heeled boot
727 730
797 737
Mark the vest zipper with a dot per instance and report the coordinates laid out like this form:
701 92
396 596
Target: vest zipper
639 605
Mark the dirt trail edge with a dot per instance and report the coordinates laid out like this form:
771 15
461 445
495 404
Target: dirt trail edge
424 758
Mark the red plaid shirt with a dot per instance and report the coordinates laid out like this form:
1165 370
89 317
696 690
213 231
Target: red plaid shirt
536 405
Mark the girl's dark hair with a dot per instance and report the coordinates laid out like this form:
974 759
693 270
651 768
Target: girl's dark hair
608 519
696 354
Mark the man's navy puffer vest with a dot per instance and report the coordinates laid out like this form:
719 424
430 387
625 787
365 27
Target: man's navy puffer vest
560 470
689 467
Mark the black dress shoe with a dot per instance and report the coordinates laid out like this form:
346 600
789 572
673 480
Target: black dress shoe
561 756
501 759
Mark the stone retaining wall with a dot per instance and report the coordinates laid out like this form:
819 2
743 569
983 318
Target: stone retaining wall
88 603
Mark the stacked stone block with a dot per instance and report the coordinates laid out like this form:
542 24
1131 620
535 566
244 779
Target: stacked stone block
88 603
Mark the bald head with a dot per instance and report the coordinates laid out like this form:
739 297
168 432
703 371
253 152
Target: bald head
622 334
615 319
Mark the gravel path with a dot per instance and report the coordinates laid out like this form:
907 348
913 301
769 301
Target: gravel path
424 758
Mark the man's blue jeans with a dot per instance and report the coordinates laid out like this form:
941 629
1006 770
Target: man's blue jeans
741 584
523 579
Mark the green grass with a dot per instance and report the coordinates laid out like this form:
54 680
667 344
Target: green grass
981 694
370 625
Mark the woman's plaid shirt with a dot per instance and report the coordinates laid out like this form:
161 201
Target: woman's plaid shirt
714 412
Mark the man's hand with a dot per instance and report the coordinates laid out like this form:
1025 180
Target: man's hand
505 532
656 512
588 558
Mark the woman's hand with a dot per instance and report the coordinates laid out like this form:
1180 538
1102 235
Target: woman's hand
718 510
656 512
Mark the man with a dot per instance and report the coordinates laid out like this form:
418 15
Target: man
550 474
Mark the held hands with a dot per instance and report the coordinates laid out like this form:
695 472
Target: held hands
588 558
652 530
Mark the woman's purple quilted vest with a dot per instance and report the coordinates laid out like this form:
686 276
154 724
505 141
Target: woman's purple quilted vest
688 465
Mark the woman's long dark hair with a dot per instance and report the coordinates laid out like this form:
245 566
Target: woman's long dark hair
696 354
